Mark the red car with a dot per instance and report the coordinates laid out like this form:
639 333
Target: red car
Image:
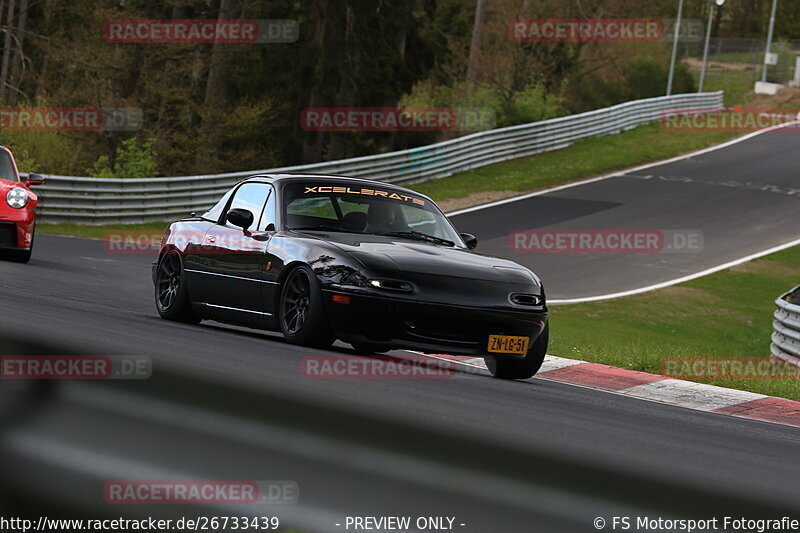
17 210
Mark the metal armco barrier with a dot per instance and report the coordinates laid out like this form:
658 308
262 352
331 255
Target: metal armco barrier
786 338
106 201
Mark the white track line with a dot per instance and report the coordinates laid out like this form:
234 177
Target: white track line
636 169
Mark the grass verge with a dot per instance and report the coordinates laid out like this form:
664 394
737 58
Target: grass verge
723 315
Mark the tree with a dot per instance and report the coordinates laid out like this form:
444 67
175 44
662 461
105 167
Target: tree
475 45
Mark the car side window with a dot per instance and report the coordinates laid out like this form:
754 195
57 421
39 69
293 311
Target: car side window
268 218
215 212
250 196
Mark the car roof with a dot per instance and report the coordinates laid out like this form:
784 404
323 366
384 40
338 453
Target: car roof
286 178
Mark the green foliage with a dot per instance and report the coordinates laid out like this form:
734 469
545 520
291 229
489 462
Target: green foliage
529 105
236 106
532 104
643 77
132 160
41 151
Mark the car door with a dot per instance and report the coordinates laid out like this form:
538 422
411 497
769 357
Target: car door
272 260
234 257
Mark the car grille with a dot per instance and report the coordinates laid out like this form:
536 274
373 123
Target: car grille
437 328
8 235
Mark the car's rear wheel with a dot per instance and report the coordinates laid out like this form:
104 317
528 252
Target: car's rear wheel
172 297
302 317
523 367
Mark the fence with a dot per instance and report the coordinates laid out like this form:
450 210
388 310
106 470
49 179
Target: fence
786 338
104 201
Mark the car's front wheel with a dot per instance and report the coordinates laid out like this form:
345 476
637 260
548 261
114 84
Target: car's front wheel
172 297
524 367
302 317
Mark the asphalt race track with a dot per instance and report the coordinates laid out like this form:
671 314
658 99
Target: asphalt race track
76 293
742 199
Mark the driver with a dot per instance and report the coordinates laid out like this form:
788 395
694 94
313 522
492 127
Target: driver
382 218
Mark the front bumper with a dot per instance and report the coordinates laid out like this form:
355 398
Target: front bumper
427 327
16 227
14 237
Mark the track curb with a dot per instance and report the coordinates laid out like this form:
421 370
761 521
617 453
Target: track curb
661 389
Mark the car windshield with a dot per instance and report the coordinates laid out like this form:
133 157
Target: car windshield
355 208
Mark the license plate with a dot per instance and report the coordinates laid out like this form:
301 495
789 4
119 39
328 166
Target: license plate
508 344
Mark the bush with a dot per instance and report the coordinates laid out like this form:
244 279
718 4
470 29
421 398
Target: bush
46 152
130 161
529 105
640 78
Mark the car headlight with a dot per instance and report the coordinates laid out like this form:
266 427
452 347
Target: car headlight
526 299
17 198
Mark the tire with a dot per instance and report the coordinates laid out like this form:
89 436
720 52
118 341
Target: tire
367 348
172 297
300 312
521 368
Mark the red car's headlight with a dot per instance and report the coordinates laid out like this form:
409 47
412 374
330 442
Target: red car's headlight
17 198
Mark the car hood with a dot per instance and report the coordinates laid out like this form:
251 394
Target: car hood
392 254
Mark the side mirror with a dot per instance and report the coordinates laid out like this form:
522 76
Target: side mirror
34 179
240 217
470 240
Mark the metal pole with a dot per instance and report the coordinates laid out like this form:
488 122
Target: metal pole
705 50
769 38
674 48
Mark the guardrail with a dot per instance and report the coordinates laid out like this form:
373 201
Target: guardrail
786 337
103 201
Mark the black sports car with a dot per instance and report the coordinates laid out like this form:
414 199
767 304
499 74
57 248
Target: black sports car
372 264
